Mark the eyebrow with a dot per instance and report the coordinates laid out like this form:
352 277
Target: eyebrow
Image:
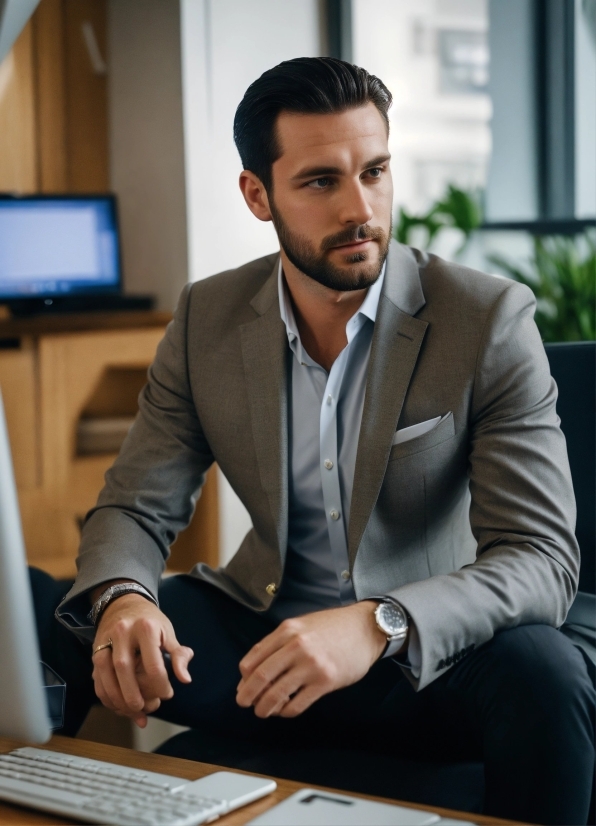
321 171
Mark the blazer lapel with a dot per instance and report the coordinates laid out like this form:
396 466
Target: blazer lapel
395 347
264 352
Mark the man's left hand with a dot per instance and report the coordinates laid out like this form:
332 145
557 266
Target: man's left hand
309 656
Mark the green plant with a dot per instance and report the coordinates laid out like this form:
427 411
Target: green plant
562 276
457 208
561 273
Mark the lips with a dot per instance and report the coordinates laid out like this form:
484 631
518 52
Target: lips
353 244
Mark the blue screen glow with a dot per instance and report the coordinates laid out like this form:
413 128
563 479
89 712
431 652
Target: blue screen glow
57 246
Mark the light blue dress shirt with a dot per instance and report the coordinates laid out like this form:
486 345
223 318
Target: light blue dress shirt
324 416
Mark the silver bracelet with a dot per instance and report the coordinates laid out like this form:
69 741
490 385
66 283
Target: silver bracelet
112 593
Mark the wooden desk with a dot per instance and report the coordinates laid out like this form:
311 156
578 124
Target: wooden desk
10 815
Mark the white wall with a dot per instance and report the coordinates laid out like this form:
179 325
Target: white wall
154 734
226 44
147 144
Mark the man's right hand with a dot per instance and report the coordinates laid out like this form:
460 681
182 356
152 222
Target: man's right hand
130 678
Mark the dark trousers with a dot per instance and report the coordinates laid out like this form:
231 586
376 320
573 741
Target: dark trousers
523 703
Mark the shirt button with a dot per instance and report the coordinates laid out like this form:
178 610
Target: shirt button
334 514
345 575
271 589
328 464
329 399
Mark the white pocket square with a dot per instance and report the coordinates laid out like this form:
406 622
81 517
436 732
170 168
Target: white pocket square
407 433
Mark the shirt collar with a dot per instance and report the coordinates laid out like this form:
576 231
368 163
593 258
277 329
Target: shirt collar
368 308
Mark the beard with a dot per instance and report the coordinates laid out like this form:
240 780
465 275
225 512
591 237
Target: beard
360 272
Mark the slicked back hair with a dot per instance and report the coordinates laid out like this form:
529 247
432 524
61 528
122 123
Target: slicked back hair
305 85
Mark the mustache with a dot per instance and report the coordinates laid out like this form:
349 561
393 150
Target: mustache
349 236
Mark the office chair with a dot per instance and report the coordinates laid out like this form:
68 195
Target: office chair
452 785
573 367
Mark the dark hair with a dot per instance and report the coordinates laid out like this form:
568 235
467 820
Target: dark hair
313 85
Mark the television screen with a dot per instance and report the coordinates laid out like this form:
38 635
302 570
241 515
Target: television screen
58 246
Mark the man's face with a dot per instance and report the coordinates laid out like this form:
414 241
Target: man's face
332 195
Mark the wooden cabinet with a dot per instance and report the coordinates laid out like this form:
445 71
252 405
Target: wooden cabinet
53 372
54 101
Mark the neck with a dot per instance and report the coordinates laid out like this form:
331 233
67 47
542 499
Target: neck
321 314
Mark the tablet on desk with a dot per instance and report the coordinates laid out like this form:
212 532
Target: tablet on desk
310 807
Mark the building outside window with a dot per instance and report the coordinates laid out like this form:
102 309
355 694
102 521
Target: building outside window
433 55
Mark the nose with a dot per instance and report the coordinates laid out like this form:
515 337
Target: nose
355 208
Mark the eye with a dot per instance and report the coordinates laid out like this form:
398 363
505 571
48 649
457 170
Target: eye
320 183
375 172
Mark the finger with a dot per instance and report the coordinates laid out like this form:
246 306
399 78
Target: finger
181 655
146 688
151 706
111 686
101 692
277 696
151 703
124 664
303 700
149 643
140 718
264 675
262 650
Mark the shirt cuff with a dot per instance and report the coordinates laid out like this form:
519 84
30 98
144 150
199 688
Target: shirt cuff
412 657
75 618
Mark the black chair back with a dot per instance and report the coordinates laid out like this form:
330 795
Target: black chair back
573 367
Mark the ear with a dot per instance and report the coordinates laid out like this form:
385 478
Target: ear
255 195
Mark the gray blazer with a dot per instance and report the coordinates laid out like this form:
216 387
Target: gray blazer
470 526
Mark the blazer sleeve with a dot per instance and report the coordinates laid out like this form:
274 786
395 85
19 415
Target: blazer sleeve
151 490
522 511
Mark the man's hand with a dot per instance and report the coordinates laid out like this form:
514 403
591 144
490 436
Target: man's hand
307 657
131 678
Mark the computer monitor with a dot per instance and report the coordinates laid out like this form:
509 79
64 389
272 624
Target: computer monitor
56 246
23 704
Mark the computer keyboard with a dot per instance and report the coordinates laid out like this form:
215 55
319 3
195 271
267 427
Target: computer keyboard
97 792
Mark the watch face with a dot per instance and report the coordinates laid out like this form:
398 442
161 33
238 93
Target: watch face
392 619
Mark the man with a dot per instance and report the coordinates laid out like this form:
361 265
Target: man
388 420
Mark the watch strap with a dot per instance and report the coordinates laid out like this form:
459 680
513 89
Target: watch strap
113 592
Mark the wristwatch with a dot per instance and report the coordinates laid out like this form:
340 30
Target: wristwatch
392 620
112 593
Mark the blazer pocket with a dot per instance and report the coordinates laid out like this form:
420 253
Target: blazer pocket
441 432
415 430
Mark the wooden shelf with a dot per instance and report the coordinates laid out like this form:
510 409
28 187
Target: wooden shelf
16 328
49 381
